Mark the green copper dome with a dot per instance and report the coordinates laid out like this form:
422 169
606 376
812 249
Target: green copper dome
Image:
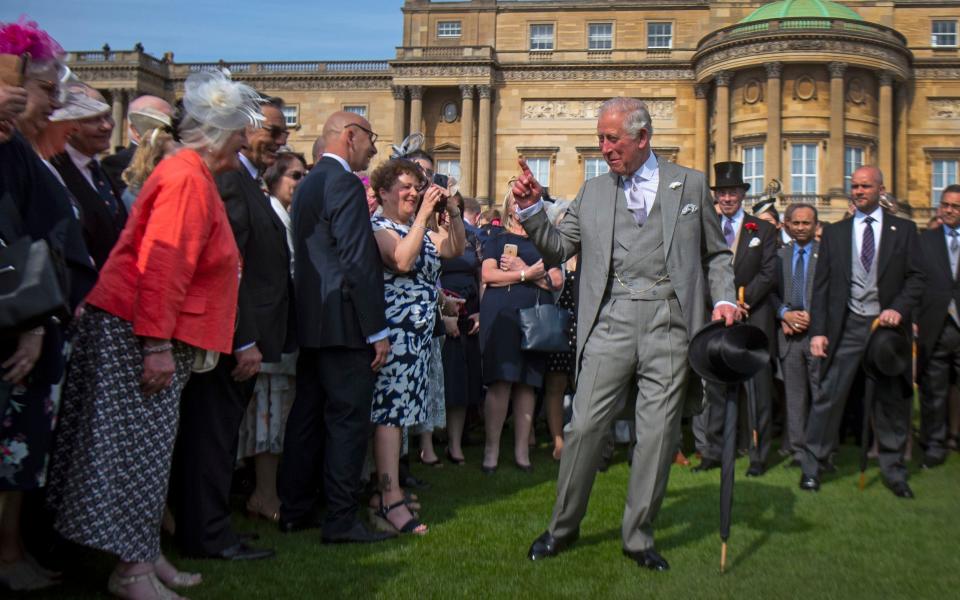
785 9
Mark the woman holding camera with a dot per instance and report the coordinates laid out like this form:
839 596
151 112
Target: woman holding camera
411 254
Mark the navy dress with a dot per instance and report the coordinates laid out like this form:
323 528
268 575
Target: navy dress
500 337
400 392
463 383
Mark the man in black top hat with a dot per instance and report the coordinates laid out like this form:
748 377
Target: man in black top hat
939 324
754 244
868 274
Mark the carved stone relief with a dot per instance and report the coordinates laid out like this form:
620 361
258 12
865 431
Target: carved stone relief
752 92
660 109
944 108
809 45
856 93
543 74
804 88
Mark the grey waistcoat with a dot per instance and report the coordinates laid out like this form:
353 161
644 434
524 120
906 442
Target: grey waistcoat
864 297
638 257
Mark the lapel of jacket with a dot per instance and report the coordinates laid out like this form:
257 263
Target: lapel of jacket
786 259
939 250
811 271
887 242
669 198
610 192
845 241
262 200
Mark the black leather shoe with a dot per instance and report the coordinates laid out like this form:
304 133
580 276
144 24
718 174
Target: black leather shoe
901 489
809 484
929 462
649 559
358 534
755 470
488 470
301 524
241 551
547 546
706 464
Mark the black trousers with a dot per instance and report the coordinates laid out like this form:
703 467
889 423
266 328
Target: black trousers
939 375
211 409
891 406
327 434
761 390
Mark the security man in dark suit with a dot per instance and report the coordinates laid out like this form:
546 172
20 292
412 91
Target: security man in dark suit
342 332
868 272
754 242
939 325
213 403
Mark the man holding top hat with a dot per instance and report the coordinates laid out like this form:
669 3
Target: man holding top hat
754 245
651 251
868 277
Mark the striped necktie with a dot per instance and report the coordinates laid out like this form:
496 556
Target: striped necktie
799 281
868 246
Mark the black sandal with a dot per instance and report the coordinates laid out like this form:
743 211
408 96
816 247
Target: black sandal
409 527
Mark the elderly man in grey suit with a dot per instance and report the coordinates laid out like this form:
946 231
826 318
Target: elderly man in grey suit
792 300
650 251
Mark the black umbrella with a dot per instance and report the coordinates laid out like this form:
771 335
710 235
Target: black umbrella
728 356
752 393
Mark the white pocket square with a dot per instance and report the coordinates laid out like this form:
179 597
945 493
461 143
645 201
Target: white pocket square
675 185
689 208
754 242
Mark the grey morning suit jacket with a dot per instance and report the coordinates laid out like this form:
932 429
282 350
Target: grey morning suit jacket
697 254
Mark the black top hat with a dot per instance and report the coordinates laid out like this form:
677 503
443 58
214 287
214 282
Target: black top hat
728 354
728 174
888 352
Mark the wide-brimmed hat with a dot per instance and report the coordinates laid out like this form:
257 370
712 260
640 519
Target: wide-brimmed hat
887 353
728 174
147 118
728 354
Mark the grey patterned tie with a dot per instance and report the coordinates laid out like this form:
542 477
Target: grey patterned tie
868 247
728 231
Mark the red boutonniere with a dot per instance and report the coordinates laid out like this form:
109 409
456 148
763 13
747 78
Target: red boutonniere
751 227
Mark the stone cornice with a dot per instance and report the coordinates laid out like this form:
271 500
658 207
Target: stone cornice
595 73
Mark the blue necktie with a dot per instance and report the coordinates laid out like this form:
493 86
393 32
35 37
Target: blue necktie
728 231
799 279
103 188
868 247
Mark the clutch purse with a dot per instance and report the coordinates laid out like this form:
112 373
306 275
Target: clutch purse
204 360
30 291
544 327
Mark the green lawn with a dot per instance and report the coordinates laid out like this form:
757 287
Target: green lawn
839 543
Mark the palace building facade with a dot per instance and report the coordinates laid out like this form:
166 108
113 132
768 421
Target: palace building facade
802 91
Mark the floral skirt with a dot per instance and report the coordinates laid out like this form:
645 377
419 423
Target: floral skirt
26 434
111 462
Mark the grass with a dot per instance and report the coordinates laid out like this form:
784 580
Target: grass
838 543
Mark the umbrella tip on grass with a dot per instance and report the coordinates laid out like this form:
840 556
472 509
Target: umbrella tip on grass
863 480
723 557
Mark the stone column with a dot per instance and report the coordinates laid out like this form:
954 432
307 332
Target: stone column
901 179
885 143
773 153
835 147
119 103
416 109
722 141
701 135
483 145
466 140
399 112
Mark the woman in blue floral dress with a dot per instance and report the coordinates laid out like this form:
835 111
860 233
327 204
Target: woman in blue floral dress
411 254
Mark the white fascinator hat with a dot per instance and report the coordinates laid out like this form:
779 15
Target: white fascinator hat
214 106
76 100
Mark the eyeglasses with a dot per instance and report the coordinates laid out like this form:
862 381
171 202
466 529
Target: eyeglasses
373 136
276 131
949 206
295 175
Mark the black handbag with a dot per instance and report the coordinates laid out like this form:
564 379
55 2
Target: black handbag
30 288
543 328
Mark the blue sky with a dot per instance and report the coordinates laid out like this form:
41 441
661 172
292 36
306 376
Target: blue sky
208 30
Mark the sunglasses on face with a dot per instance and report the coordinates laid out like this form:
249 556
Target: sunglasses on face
295 175
276 131
373 136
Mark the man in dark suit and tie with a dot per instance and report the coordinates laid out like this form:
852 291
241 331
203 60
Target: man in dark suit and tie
868 273
115 164
801 370
342 332
754 242
213 403
939 325
102 215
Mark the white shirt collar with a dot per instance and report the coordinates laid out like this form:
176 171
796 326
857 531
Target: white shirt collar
342 162
737 217
947 229
82 162
649 170
877 215
254 172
